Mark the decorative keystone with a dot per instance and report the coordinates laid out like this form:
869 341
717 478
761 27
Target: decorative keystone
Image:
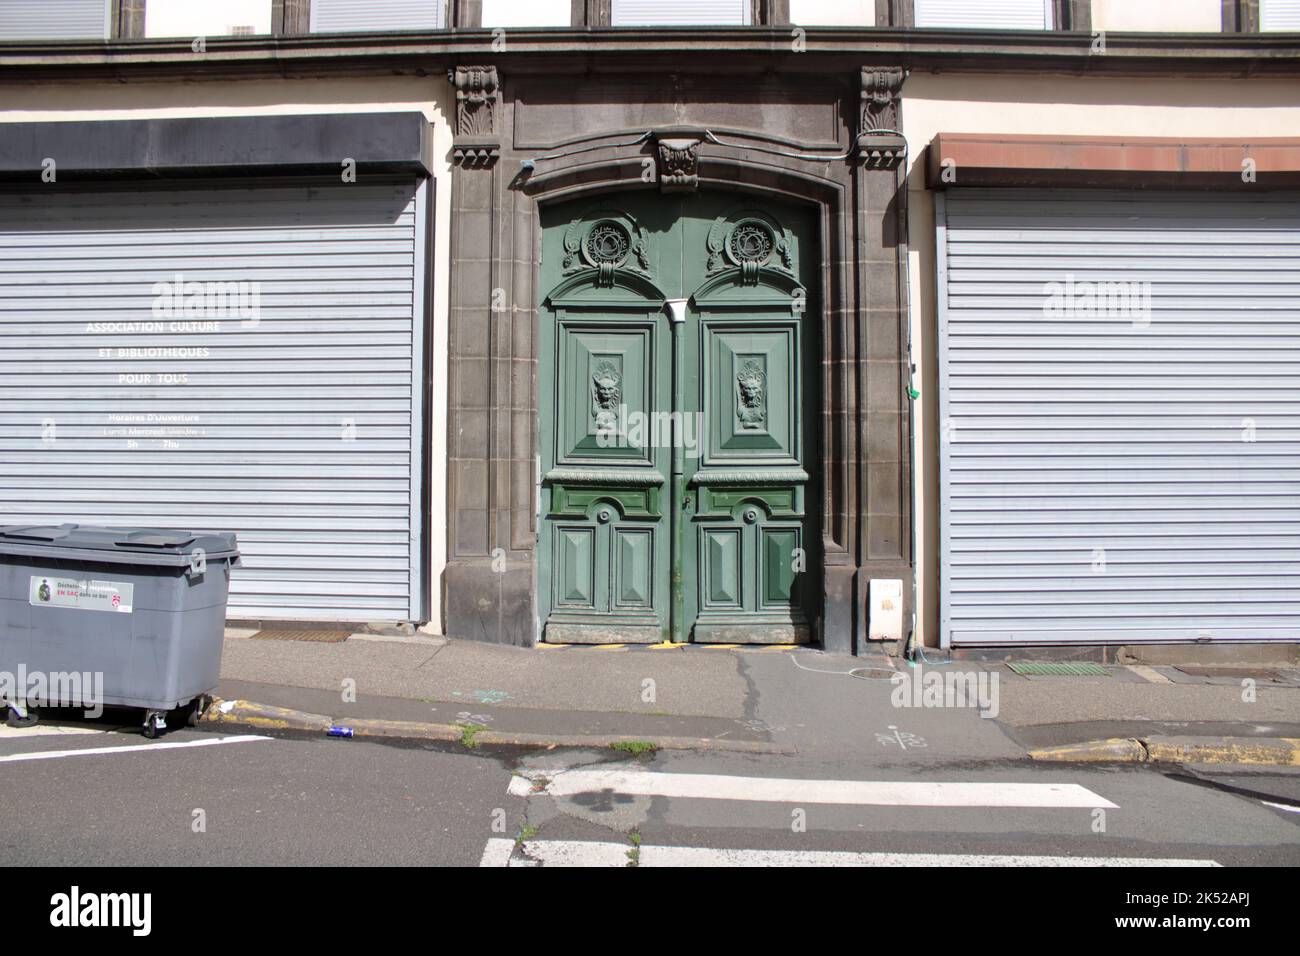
679 164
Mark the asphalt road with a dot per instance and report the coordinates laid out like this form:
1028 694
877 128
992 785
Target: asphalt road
334 802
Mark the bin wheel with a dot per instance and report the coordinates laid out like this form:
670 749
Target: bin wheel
13 720
196 710
152 730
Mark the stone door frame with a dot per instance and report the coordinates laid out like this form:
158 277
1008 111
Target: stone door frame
511 154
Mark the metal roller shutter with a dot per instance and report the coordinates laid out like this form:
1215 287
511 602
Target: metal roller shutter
1279 15
340 16
295 424
984 15
1105 477
679 12
54 19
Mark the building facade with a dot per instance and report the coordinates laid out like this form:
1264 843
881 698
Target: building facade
818 321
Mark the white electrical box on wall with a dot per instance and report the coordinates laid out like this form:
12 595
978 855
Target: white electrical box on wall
885 620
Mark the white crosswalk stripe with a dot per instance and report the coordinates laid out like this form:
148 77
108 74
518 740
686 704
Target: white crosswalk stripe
884 793
630 782
570 853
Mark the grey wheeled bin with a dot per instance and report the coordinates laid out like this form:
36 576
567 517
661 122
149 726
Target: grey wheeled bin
139 612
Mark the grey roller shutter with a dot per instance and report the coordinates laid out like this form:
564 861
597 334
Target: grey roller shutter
679 12
341 16
1105 477
54 19
296 425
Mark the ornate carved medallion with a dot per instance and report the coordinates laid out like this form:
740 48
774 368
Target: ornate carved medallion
607 241
608 244
749 240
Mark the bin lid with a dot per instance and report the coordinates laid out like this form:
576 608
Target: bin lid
127 544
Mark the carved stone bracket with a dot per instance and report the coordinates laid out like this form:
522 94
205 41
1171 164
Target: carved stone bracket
882 150
679 164
880 145
880 94
475 155
476 143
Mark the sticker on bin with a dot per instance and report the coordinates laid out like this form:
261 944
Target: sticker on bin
113 596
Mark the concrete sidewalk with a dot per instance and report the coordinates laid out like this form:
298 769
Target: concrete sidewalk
779 699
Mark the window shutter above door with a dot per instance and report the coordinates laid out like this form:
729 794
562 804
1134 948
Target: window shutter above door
340 16
1279 15
54 20
629 13
985 14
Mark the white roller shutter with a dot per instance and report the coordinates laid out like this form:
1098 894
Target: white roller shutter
984 14
629 13
55 19
1279 15
341 16
1106 476
295 424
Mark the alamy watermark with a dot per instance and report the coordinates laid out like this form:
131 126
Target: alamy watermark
83 689
211 300
1119 299
933 689
621 427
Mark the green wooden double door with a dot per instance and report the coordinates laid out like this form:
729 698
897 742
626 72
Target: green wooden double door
677 452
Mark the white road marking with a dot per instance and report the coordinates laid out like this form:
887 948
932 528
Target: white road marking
885 793
573 853
497 852
45 730
519 786
699 856
584 853
130 748
1281 806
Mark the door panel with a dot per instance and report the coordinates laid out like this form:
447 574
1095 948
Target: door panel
602 371
675 446
751 386
747 268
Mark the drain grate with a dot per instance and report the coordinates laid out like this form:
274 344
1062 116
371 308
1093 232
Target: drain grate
291 634
1058 669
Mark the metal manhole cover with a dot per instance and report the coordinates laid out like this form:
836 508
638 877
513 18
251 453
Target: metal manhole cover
291 634
1058 669
874 673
